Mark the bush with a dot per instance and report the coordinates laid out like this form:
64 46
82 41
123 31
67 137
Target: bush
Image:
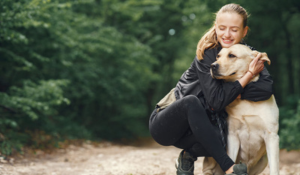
289 125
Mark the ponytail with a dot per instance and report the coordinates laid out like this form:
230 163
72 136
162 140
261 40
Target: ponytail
209 40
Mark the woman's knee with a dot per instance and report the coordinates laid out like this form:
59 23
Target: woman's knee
192 100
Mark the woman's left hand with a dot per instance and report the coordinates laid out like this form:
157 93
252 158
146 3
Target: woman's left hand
256 66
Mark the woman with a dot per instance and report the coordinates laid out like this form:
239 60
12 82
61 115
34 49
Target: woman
188 122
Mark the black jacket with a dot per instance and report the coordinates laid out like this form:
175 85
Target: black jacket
217 94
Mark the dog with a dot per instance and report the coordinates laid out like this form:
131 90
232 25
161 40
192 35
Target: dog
252 126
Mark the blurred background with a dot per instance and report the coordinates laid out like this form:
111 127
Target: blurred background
94 69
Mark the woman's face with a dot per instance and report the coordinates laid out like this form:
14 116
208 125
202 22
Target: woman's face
229 29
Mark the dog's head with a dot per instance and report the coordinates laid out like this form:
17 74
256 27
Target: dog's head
233 62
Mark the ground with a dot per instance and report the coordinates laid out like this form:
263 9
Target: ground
139 158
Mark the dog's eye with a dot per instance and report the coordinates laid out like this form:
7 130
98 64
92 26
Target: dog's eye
231 56
218 56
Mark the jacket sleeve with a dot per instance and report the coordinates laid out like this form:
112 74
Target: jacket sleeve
217 93
259 90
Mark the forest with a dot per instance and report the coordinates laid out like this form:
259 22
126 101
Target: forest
94 69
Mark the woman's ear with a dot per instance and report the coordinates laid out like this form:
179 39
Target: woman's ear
245 31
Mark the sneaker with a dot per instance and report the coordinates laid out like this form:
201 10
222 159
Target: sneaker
239 169
185 163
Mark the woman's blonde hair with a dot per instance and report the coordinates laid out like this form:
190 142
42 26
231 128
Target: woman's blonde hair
209 40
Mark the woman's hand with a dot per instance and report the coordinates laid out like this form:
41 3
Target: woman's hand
256 66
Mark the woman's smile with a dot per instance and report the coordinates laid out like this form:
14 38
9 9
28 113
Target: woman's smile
227 41
230 29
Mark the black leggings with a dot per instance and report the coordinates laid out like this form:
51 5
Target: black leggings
186 125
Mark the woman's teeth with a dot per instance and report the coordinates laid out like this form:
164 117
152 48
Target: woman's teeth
227 41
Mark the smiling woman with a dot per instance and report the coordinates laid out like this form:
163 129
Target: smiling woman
199 101
230 28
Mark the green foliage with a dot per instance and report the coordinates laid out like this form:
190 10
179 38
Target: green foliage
34 100
67 69
12 141
22 106
290 124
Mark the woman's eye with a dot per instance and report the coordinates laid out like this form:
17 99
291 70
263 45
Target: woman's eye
222 28
231 56
234 30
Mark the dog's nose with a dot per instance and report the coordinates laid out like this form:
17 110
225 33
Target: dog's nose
214 66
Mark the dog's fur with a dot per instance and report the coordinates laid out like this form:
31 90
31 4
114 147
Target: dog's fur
253 126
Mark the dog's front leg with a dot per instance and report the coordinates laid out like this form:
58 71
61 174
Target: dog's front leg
233 145
211 167
272 145
209 164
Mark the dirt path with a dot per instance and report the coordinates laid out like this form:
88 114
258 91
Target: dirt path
146 158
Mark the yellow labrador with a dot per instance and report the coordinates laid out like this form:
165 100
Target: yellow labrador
253 126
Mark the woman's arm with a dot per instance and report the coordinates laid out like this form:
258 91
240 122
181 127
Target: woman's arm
259 90
217 93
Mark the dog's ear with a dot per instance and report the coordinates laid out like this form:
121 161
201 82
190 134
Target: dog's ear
263 57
